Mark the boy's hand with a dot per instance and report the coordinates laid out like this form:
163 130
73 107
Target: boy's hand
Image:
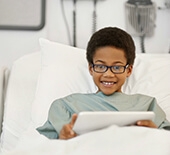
67 132
146 123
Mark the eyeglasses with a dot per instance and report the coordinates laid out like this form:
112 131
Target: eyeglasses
116 69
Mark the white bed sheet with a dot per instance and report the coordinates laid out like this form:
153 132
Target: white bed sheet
112 140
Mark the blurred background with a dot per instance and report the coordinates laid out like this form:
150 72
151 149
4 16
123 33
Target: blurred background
72 22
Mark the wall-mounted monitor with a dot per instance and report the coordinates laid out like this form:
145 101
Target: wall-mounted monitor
22 14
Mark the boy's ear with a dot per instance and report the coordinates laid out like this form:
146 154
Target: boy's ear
90 69
129 70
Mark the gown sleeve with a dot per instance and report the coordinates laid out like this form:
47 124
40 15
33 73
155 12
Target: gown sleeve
59 115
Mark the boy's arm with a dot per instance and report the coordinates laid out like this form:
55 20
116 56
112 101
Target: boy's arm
58 116
165 125
48 130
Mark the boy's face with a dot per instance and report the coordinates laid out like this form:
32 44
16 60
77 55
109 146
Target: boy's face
109 82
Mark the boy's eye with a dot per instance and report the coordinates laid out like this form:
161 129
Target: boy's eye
116 67
100 67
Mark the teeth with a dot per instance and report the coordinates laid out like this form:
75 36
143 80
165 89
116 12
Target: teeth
108 83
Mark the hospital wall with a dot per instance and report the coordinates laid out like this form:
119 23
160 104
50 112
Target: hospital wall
16 43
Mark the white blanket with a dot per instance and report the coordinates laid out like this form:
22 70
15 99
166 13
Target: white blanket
113 140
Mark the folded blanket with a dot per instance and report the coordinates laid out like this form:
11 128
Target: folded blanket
116 140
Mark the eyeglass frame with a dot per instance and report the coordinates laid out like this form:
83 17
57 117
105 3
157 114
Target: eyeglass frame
107 67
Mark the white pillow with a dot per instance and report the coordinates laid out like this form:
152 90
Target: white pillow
64 71
151 76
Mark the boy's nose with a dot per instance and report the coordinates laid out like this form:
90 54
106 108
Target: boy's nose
108 73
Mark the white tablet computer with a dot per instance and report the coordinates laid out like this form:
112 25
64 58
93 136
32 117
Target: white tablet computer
90 121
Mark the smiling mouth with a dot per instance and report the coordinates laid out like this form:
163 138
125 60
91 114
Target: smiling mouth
107 83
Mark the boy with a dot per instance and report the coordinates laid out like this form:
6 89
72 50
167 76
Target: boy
110 55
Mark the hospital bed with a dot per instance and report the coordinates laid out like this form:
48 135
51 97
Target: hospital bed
37 79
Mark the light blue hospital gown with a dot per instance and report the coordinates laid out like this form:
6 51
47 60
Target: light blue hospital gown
62 109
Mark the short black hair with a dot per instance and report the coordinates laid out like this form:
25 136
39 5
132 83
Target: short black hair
111 36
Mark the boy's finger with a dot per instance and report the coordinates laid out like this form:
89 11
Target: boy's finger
146 123
73 119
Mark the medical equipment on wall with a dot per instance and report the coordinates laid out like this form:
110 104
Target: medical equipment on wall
140 19
73 41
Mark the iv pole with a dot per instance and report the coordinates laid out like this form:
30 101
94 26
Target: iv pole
74 23
94 17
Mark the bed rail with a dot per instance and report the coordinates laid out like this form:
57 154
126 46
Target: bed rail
4 72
